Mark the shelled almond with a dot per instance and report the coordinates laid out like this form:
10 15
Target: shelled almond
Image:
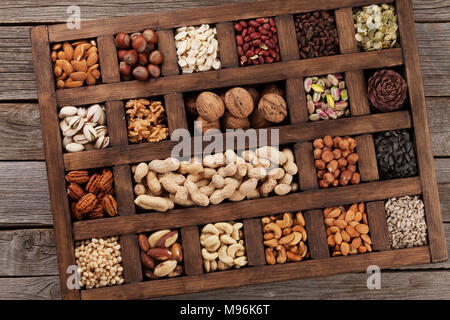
347 230
75 64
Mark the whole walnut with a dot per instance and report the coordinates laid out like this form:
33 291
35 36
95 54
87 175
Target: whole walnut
257 120
273 107
206 125
191 104
273 88
209 106
255 95
231 122
239 102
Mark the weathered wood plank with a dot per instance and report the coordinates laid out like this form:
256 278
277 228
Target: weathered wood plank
27 252
394 285
27 11
24 197
33 288
17 80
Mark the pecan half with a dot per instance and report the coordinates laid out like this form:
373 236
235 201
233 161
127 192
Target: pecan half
87 203
92 185
109 205
106 180
75 191
80 176
96 213
75 213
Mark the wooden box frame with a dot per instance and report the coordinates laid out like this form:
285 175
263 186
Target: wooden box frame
300 133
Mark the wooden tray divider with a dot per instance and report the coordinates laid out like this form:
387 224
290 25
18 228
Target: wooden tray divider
53 153
254 246
176 113
317 237
296 100
192 257
229 77
287 37
227 45
166 44
425 161
379 233
109 62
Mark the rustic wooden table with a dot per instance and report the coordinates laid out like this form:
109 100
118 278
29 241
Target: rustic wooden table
28 267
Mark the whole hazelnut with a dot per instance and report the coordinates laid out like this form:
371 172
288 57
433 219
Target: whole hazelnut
155 57
124 69
121 53
206 125
320 164
231 122
154 71
317 153
134 35
351 168
318 143
337 154
328 177
150 36
123 40
356 178
336 141
239 102
323 184
335 183
342 162
143 59
191 104
352 143
150 47
320 173
332 165
257 120
131 57
345 153
345 177
327 156
343 145
273 107
352 158
140 73
328 141
272 88
139 43
337 173
209 106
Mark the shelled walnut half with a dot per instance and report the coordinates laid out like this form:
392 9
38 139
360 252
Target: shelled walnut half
146 121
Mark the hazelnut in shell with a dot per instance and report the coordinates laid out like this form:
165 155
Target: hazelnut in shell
209 106
239 102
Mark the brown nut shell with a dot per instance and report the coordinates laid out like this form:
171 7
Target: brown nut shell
273 107
231 122
210 106
239 102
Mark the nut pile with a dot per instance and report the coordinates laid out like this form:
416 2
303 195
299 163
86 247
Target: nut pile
161 254
238 108
395 154
376 27
99 262
284 238
316 34
336 161
75 64
83 129
163 183
387 90
406 222
146 121
138 55
257 41
223 246
326 97
197 48
91 194
347 230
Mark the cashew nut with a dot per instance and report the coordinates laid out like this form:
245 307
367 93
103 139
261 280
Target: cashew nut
281 256
232 249
209 255
224 227
273 227
240 262
235 233
213 265
207 265
223 256
226 239
297 238
210 241
210 228
286 222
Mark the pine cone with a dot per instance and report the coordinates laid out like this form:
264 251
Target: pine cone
387 90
